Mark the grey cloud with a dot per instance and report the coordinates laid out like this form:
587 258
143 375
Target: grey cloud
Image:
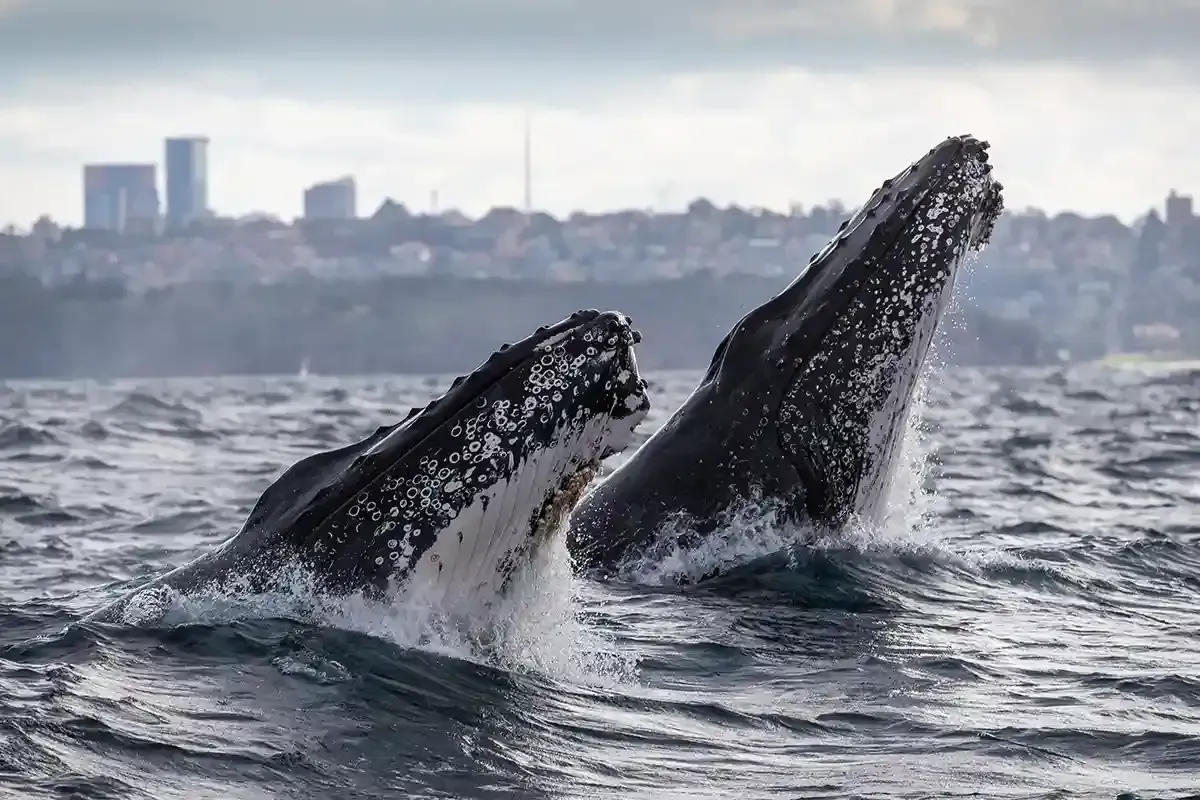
622 35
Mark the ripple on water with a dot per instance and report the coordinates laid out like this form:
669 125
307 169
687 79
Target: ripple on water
1025 629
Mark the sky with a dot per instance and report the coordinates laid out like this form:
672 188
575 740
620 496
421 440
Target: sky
1091 105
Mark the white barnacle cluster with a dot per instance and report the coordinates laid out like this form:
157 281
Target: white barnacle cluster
882 330
410 507
861 379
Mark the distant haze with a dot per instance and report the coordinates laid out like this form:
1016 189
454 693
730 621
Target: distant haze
1091 104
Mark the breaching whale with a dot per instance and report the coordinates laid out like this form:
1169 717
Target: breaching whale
452 499
805 403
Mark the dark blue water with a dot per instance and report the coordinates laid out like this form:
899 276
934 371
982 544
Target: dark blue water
1024 626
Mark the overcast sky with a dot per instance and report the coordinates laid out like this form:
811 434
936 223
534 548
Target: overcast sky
1091 104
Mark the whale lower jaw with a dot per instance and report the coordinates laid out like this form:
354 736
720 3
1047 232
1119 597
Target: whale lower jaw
509 524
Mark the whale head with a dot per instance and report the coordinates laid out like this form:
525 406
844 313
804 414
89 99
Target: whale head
454 498
830 364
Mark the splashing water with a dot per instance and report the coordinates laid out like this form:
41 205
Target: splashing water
758 528
911 498
534 626
537 624
910 495
751 530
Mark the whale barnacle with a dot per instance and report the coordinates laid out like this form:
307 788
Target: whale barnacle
541 329
457 381
504 347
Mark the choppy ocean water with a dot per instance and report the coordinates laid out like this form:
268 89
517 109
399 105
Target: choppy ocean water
1025 625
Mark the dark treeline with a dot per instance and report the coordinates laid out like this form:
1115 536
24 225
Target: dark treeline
382 325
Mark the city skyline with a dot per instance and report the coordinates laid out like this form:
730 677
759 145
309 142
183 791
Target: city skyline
752 103
129 197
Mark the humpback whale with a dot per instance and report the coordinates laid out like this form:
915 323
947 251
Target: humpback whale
805 403
451 500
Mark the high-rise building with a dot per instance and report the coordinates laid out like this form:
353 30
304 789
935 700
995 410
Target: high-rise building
331 200
187 180
121 198
1179 210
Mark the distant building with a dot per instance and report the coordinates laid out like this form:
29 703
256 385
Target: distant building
187 180
121 198
1179 209
331 200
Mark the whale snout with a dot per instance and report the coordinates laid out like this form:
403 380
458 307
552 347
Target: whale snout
615 330
628 384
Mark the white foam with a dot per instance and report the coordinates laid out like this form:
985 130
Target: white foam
897 520
534 626
752 530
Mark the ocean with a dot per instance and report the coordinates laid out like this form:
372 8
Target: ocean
1024 625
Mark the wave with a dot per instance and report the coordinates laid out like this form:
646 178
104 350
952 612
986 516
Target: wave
1019 624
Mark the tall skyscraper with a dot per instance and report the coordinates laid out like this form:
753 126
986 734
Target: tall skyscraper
331 200
187 180
121 198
